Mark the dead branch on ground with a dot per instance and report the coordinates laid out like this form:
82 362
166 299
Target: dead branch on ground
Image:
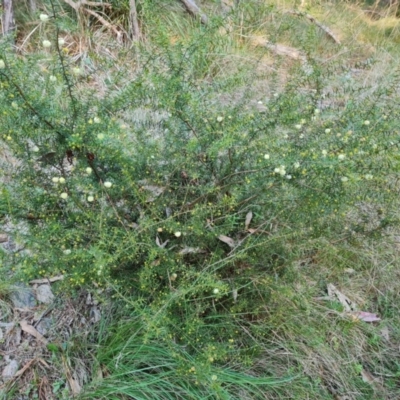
328 32
78 6
193 8
134 29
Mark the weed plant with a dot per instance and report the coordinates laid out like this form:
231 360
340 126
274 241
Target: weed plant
195 206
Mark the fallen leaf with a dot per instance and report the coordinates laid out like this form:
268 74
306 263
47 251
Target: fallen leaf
191 250
95 315
385 333
366 316
226 239
43 362
249 216
372 380
159 244
367 376
154 190
334 293
234 295
25 367
32 331
73 383
349 271
252 230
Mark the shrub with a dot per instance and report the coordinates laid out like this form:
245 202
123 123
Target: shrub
191 201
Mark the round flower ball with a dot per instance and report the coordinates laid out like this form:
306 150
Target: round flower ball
64 195
46 43
107 184
90 199
44 17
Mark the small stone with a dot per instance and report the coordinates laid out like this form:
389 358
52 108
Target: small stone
10 370
349 271
44 326
3 237
44 294
95 315
22 297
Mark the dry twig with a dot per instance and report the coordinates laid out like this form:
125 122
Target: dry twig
77 6
328 32
193 8
133 21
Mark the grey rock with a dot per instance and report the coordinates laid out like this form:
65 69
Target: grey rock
44 326
95 315
22 297
44 294
3 237
10 370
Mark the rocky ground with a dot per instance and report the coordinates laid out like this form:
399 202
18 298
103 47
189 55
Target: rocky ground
36 330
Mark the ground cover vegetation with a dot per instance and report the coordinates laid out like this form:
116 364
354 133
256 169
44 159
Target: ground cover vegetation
227 190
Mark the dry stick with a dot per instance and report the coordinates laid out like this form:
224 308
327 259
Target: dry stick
314 21
103 21
32 5
95 4
192 7
7 21
133 21
78 5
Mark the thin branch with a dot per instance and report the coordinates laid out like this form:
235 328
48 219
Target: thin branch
95 4
32 6
134 28
7 20
79 6
192 7
64 71
328 32
103 21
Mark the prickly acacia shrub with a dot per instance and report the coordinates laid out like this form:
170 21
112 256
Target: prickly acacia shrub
165 189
